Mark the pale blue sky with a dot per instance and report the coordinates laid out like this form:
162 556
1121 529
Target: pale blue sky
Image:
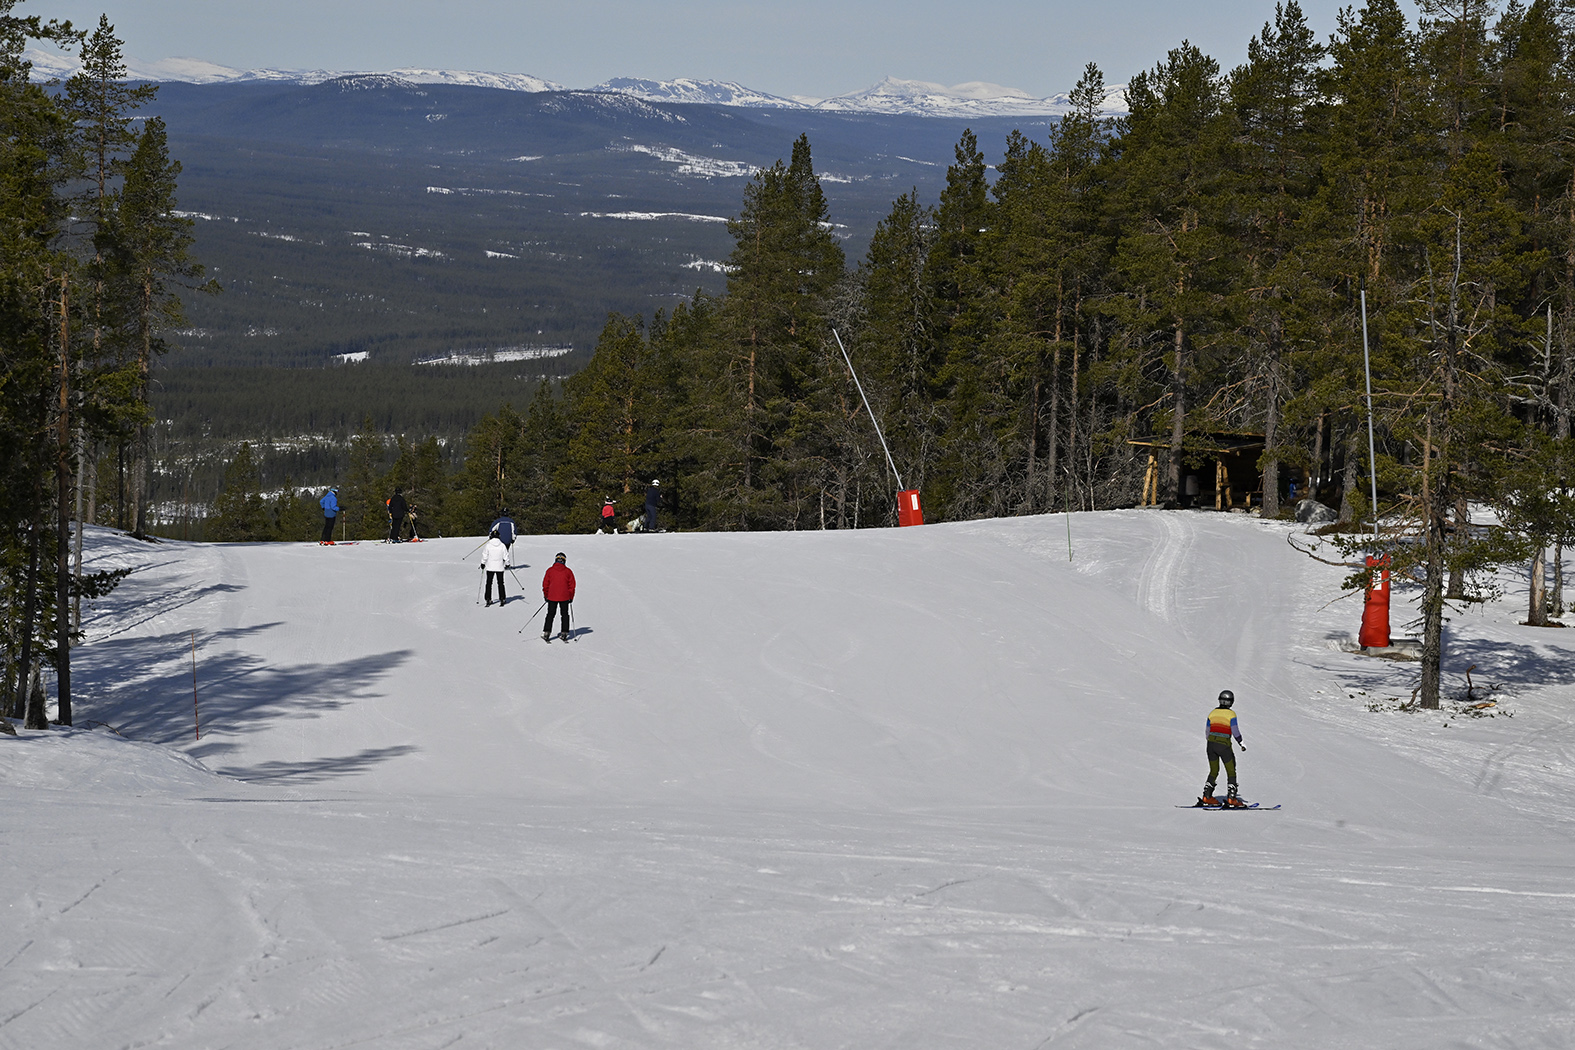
801 47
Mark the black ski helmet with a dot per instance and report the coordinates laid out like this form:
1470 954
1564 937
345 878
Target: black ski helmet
1227 698
559 558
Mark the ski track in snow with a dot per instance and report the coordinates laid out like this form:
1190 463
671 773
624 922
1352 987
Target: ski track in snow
890 788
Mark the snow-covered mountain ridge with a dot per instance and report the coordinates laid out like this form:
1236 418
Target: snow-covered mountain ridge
890 96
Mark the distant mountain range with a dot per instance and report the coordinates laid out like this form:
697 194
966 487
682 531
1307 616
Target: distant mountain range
889 97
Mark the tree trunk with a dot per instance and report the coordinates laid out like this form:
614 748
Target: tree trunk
1537 615
1457 575
1271 462
1348 486
1317 479
36 718
1178 422
1053 428
1029 480
1556 600
63 520
1433 612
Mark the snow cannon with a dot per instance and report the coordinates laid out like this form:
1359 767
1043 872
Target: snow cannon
908 509
1375 615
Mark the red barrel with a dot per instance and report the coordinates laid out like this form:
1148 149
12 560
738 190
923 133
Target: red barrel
1375 615
908 511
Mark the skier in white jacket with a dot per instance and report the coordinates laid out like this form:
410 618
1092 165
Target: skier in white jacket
495 559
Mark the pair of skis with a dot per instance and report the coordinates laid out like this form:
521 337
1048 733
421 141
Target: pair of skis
1219 803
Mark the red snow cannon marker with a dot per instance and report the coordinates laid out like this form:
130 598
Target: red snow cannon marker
1375 615
908 510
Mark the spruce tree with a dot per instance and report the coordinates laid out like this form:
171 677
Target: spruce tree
240 513
785 263
620 407
1173 256
149 262
1273 99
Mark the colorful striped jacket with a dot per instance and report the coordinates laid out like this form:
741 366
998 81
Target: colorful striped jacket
1221 726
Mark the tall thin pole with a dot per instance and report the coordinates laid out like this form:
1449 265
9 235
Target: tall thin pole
868 409
1372 458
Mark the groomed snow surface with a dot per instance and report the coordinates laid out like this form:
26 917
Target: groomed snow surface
908 788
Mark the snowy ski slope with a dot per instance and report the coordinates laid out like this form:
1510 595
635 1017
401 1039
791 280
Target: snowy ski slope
901 788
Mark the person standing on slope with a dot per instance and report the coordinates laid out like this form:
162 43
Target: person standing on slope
397 509
653 503
557 587
503 528
495 560
1221 728
609 509
330 505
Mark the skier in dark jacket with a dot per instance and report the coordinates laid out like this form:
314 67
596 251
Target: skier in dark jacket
503 528
397 509
557 587
653 502
330 505
1220 729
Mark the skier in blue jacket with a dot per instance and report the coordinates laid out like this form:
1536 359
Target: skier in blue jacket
503 529
330 505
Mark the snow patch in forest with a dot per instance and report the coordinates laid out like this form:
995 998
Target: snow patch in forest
474 191
404 251
690 164
499 356
652 216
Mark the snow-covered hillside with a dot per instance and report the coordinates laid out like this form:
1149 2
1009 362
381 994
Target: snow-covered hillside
906 788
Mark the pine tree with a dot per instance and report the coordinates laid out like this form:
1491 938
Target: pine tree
363 514
1272 98
620 405
36 359
240 513
149 260
786 261
1174 258
894 343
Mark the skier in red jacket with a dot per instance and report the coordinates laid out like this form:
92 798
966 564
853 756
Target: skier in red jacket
557 586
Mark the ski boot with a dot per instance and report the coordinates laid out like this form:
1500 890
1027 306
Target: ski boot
1232 800
1207 798
564 636
546 636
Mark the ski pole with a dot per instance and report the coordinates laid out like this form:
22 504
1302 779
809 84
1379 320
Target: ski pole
480 584
531 617
480 545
